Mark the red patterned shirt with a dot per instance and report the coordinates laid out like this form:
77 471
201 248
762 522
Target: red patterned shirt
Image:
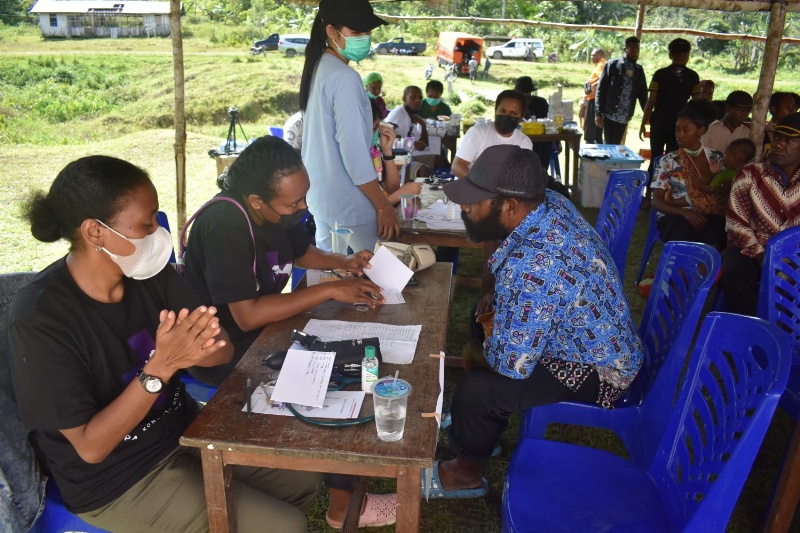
763 202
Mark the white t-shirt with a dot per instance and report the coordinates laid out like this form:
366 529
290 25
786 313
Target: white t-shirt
405 127
481 136
718 136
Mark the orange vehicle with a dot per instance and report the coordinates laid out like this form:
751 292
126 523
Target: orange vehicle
455 48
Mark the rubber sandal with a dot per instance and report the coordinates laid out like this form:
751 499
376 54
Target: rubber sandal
447 420
380 510
439 493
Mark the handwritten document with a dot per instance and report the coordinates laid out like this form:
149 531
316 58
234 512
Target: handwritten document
387 271
304 378
337 404
398 343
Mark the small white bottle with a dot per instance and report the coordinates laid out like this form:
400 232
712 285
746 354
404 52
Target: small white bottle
369 369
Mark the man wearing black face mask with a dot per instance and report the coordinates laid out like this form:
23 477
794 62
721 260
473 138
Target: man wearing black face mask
407 116
508 112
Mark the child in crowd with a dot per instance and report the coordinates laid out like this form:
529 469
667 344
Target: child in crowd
739 153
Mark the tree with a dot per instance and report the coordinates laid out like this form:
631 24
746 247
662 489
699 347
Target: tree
714 46
12 12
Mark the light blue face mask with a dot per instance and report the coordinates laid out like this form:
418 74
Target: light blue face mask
433 102
355 48
370 95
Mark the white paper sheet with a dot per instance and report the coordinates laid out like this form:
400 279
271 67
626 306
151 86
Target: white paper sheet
398 343
337 404
387 271
392 297
304 377
435 216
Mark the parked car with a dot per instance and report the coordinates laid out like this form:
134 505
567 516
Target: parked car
521 48
270 43
291 45
399 46
455 48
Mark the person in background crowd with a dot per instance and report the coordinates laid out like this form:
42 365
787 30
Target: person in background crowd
535 107
268 180
338 128
549 260
688 208
472 65
592 134
622 83
764 200
373 83
738 105
670 89
407 119
508 109
486 66
433 105
706 90
96 342
383 159
780 105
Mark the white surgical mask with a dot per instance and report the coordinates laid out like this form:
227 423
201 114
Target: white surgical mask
149 257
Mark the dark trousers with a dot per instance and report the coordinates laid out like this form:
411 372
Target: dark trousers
591 133
740 277
662 141
614 131
677 228
483 402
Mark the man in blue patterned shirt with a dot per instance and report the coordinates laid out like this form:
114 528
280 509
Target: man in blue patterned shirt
562 327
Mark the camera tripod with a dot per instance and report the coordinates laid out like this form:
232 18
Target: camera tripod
230 143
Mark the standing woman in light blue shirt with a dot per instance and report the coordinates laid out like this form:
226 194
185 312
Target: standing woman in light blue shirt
337 128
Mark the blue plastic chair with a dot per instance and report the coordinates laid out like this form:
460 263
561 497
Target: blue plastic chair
618 213
685 273
779 303
276 131
735 376
163 221
652 235
57 519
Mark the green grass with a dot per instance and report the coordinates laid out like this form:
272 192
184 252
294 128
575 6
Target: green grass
61 99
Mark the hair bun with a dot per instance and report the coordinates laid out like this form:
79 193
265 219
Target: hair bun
45 225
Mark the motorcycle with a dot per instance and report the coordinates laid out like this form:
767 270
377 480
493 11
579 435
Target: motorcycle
552 58
256 50
429 71
450 72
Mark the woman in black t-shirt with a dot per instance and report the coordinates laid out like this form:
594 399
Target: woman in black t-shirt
96 341
268 180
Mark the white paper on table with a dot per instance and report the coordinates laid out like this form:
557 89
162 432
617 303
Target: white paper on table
392 297
435 216
387 271
338 404
398 343
304 377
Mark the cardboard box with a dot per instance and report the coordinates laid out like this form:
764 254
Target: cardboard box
597 163
224 161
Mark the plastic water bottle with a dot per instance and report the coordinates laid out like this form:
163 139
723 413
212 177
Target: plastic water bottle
560 123
369 369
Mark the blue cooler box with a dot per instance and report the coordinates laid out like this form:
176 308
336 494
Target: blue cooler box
597 163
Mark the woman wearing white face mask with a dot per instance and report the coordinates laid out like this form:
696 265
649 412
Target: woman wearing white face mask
96 341
338 128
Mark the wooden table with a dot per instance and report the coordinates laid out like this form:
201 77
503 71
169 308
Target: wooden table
572 142
418 232
227 437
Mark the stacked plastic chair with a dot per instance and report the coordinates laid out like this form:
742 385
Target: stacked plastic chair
779 303
652 236
703 453
618 213
685 273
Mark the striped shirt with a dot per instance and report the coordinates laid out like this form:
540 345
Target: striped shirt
763 202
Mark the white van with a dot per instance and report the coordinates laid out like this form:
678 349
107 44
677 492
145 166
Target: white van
522 48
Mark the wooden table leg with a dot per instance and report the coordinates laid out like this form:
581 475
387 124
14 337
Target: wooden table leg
409 490
218 480
787 493
353 514
567 149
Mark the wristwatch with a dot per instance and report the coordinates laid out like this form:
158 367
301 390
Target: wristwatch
151 384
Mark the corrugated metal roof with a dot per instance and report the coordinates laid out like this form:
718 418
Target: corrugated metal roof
101 6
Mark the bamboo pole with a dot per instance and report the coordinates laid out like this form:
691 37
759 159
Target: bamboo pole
180 115
639 21
596 27
713 5
777 21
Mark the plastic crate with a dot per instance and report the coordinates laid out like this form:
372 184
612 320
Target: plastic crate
597 163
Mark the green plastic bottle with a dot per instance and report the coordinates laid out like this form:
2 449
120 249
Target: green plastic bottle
369 369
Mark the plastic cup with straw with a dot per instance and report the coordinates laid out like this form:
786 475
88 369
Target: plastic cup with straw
390 397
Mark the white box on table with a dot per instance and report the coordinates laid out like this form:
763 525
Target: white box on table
597 163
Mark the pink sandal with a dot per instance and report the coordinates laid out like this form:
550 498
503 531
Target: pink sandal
380 510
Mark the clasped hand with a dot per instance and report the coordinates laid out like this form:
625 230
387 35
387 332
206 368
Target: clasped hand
185 339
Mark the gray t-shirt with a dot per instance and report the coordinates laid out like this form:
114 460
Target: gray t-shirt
337 133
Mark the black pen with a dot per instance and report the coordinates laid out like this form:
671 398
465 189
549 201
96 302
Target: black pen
249 392
335 274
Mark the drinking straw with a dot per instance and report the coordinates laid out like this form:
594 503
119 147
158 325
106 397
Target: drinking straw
394 381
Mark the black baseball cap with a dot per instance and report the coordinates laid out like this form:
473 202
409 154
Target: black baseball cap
354 14
504 169
789 126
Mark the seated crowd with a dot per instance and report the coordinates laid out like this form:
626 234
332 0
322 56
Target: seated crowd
118 326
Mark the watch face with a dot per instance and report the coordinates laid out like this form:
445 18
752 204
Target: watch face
152 385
